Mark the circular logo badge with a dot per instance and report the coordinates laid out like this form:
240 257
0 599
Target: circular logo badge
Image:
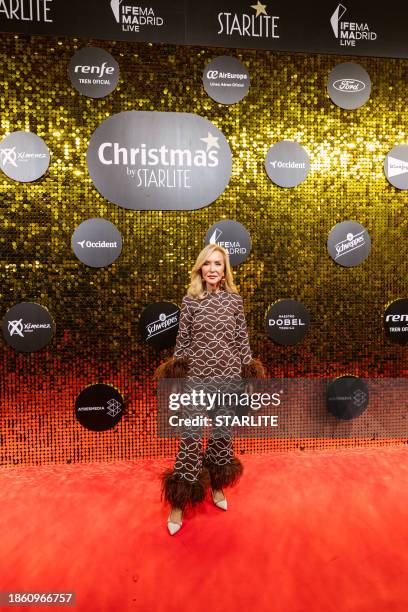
93 72
287 322
97 242
99 407
396 321
159 161
287 163
233 236
226 80
349 244
28 327
396 166
24 156
347 397
349 85
158 324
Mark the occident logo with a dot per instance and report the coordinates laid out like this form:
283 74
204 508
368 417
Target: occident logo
144 160
97 242
132 17
257 24
287 163
348 33
38 11
158 324
233 237
349 85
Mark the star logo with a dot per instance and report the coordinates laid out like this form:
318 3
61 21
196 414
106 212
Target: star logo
211 141
259 8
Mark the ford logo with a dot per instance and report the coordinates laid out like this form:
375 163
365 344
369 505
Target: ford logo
349 85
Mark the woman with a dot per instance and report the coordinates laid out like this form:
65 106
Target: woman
212 342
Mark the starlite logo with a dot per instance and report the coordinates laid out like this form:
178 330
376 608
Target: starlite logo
349 85
175 164
396 166
349 32
257 24
350 243
163 323
10 156
132 17
27 10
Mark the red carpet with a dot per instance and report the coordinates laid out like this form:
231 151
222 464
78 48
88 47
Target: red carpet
315 532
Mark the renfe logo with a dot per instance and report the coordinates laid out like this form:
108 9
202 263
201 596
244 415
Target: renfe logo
157 161
26 10
254 25
132 17
348 32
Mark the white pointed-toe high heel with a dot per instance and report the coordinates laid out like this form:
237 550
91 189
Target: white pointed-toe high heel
173 527
222 503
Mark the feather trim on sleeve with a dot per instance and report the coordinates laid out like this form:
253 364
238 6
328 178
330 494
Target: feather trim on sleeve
253 369
172 368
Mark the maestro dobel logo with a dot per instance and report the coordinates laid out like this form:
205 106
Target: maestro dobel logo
159 161
287 163
347 397
158 324
28 327
93 72
233 236
287 322
226 80
396 166
349 85
99 407
97 243
396 321
349 243
24 156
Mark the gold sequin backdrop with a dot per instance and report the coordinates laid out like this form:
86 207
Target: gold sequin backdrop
97 310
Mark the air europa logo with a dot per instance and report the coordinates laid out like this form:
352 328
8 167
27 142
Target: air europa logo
132 17
255 24
349 85
349 33
27 10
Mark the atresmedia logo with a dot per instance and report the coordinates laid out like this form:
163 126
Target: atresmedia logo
159 161
133 17
349 33
99 407
347 397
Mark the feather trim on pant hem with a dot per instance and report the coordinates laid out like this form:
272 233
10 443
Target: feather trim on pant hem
225 475
179 492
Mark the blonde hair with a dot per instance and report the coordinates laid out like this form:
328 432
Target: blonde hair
197 288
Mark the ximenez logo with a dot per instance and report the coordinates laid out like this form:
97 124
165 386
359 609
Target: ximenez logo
349 32
131 16
152 160
257 24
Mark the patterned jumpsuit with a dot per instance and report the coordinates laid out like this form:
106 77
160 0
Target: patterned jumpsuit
213 337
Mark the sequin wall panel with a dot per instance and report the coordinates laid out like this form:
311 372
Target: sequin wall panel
96 310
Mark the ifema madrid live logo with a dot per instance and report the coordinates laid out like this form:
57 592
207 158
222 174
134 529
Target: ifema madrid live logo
131 17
